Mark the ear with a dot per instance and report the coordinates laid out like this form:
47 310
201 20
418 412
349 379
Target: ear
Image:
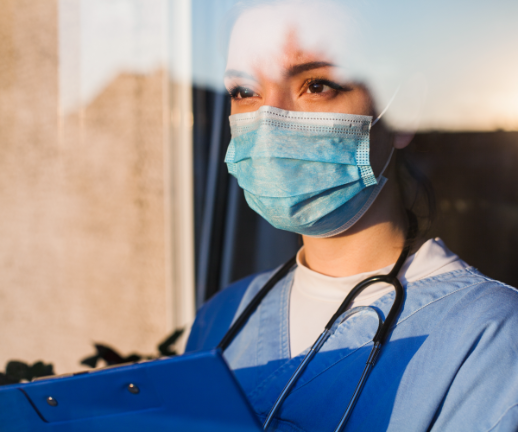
402 139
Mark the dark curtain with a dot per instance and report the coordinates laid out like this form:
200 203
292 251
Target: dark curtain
231 240
475 179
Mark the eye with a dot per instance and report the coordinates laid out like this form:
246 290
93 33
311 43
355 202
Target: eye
242 93
318 87
322 85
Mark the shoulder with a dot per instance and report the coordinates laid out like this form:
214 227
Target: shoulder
486 294
465 288
215 317
476 314
464 305
493 305
480 339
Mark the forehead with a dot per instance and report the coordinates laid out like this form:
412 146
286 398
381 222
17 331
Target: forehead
269 38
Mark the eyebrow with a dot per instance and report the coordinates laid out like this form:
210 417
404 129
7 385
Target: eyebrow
304 67
291 72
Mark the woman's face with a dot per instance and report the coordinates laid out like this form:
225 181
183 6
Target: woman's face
267 65
304 81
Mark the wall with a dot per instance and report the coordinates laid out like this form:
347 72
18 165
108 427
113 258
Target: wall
83 208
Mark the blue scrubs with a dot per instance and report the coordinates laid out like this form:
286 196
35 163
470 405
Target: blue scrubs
450 363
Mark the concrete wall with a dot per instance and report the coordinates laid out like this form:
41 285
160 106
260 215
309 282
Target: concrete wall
82 204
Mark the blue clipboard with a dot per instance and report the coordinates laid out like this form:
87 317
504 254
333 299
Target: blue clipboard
191 393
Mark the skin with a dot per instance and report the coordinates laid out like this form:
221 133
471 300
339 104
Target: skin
297 79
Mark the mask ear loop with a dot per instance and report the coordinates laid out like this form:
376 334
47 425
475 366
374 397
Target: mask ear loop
386 164
388 105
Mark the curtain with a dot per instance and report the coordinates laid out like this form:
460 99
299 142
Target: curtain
231 241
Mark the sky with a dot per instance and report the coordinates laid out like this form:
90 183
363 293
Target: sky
459 56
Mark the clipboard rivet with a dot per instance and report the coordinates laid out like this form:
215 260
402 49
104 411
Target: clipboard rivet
51 401
133 389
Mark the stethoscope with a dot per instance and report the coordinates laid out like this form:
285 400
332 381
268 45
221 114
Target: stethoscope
379 338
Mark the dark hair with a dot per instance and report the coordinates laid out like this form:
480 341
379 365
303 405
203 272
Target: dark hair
416 189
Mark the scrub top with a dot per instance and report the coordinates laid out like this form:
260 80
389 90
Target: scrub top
450 363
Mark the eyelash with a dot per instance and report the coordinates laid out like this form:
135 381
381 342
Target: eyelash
234 91
326 82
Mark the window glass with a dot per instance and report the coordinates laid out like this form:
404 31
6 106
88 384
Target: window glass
441 72
90 109
118 213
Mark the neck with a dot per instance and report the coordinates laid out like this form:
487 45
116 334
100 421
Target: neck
374 242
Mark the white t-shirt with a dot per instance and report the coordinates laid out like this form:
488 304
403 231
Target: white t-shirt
316 297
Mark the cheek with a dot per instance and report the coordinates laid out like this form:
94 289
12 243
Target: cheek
361 103
240 106
352 102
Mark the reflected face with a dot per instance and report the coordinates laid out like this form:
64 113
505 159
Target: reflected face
288 76
269 64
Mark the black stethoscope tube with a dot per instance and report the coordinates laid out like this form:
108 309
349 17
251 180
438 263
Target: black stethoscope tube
379 337
252 306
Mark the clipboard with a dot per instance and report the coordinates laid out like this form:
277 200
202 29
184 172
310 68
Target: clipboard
190 393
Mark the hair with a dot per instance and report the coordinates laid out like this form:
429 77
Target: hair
416 189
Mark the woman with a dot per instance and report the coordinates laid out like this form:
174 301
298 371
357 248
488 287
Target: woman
312 159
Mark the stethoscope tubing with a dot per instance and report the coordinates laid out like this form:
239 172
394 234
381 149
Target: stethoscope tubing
294 378
382 332
252 306
307 359
359 387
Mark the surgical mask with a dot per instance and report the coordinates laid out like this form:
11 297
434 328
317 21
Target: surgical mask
303 172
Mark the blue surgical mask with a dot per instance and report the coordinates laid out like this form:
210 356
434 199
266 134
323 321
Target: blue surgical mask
303 172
